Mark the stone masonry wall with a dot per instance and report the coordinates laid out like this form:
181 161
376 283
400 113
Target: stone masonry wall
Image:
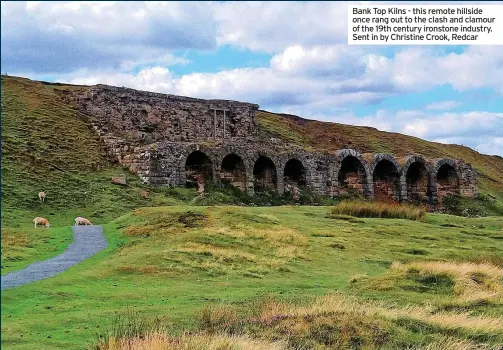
154 134
145 117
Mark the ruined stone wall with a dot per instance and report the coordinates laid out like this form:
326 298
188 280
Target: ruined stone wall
154 135
164 164
145 117
168 164
468 183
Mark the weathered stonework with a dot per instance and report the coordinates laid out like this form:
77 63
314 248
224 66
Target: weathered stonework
172 140
146 117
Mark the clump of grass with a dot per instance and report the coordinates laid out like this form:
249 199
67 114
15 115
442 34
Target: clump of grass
162 341
471 281
341 217
126 327
491 258
449 225
337 246
130 331
378 210
214 318
451 343
415 251
191 219
220 254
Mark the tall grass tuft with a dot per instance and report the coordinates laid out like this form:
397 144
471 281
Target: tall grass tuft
126 327
379 210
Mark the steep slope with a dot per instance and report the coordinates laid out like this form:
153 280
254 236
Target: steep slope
334 136
47 146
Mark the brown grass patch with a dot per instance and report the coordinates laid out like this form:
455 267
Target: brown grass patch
290 252
161 341
450 343
472 281
275 236
378 210
218 253
344 305
14 238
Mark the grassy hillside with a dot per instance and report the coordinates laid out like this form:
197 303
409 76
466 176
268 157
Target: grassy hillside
47 146
292 274
333 136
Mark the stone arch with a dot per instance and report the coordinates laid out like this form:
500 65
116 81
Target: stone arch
294 172
447 178
233 171
265 175
416 184
352 173
385 172
197 164
185 152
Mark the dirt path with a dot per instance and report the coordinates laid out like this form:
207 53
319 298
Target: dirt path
87 241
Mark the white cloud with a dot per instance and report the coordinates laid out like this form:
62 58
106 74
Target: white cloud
478 130
61 37
273 26
157 79
493 146
475 67
321 61
319 77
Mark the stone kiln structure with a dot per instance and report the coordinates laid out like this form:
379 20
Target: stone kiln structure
171 140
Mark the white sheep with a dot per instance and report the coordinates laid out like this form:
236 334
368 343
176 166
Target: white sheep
82 221
41 221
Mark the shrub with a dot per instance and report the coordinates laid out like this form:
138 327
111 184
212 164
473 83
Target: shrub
379 210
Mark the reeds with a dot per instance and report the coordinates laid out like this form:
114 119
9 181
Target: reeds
379 210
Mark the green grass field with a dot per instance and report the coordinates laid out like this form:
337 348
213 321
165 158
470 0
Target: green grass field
237 277
170 262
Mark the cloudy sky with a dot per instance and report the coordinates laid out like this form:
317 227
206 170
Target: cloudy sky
287 57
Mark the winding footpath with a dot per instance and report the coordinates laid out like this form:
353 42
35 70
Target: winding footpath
87 241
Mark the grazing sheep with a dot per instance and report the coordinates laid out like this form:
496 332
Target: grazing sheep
41 221
41 196
82 221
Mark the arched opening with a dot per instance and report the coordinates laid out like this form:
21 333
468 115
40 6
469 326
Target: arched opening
447 181
416 180
294 176
233 171
198 166
264 175
295 173
352 175
386 182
